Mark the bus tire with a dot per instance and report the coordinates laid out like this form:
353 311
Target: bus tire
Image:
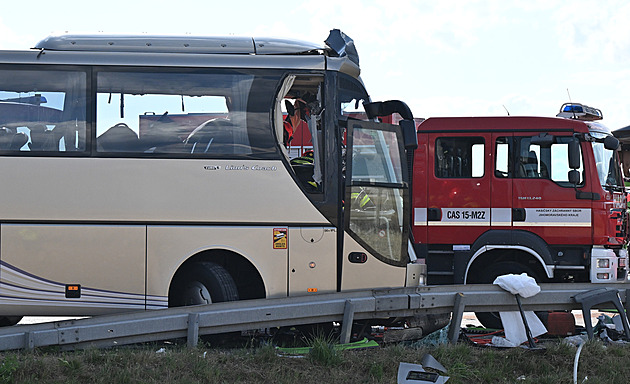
7 321
492 319
203 283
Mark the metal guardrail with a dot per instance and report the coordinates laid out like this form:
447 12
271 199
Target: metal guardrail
190 322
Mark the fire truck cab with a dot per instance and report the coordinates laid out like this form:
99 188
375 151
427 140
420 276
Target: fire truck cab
497 195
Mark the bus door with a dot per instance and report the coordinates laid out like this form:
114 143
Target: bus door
312 267
376 207
458 206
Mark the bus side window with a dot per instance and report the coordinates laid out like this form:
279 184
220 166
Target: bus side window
201 114
119 138
215 136
300 112
10 141
42 110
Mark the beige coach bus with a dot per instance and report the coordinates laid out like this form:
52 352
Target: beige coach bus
143 172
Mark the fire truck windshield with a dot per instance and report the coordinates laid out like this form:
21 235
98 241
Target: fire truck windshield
608 168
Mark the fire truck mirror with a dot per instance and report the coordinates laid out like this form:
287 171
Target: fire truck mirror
574 177
611 143
574 154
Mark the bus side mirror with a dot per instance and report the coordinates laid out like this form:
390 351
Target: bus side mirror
410 135
574 154
574 177
611 143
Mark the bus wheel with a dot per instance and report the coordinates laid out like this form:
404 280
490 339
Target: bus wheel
7 321
203 283
492 319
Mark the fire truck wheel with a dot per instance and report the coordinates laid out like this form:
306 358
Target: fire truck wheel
492 319
6 321
203 283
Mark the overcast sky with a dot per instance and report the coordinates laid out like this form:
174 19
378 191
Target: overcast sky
444 58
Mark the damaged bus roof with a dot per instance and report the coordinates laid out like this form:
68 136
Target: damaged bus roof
338 52
177 44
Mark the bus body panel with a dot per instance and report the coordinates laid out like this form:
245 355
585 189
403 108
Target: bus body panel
38 261
312 260
371 274
313 62
168 247
152 190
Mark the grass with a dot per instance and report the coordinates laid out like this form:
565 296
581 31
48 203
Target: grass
324 364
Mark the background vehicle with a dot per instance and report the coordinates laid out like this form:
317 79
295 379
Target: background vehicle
143 172
497 195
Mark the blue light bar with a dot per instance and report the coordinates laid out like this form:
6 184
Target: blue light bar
579 111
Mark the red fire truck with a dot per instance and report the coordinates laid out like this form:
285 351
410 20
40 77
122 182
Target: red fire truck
497 195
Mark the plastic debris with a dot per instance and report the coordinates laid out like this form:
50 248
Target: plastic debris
515 331
434 338
429 371
520 326
576 340
498 341
365 343
522 284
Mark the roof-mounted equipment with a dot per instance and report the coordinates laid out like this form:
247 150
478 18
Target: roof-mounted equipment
579 111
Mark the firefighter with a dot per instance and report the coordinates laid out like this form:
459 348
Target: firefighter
296 115
361 201
306 162
306 159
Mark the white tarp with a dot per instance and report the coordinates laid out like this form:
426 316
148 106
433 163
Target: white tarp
513 326
522 284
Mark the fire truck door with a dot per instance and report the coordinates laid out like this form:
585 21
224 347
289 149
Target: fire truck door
458 206
544 201
502 180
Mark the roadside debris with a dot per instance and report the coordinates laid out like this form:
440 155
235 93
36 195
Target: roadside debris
365 343
520 326
428 371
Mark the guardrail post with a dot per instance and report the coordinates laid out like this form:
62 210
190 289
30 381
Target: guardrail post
193 330
456 319
348 319
29 342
